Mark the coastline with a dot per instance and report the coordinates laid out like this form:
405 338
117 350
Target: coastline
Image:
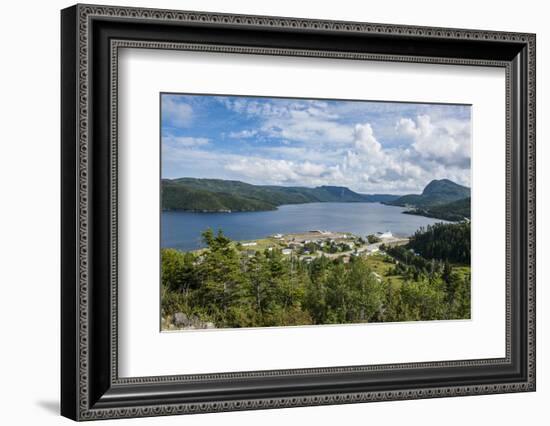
412 211
182 229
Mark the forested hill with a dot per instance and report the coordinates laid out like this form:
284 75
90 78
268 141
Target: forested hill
441 199
216 195
437 192
454 211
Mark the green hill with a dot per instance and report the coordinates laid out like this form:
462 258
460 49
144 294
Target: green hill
214 195
437 192
181 197
454 211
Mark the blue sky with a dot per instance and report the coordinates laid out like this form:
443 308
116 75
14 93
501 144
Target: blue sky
366 146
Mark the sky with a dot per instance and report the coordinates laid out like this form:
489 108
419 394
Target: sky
369 147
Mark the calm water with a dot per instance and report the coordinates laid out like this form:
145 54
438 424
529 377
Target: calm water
182 230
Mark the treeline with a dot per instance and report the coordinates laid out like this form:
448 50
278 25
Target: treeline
455 212
181 197
443 241
408 262
211 195
227 288
415 268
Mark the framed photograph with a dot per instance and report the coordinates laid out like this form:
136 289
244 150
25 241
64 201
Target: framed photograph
263 212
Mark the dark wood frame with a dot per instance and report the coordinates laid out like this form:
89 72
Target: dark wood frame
91 37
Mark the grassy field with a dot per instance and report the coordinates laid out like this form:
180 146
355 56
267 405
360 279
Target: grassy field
262 244
381 265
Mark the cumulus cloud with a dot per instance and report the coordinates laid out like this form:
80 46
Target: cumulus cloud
371 167
366 143
446 141
365 167
175 112
367 146
271 171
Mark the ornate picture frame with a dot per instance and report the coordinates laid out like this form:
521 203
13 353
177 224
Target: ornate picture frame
91 37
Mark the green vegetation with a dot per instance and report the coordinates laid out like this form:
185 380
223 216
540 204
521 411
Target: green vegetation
226 285
441 199
211 195
181 197
384 266
449 242
454 211
373 239
435 193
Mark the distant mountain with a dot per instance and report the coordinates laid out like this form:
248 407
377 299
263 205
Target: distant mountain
380 198
339 193
437 192
454 211
215 195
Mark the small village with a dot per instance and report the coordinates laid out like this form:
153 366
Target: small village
306 246
318 277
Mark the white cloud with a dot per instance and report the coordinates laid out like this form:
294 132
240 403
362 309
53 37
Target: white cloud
275 171
311 169
303 126
251 107
446 141
176 113
366 166
184 141
373 147
366 143
260 168
243 134
283 172
407 127
293 120
370 167
395 171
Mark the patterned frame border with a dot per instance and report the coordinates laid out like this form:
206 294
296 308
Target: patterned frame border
86 13
116 45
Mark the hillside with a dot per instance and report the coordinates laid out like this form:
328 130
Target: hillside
214 195
454 211
437 192
181 197
444 241
441 199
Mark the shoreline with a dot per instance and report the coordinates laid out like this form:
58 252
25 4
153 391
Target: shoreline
276 207
308 245
182 229
408 210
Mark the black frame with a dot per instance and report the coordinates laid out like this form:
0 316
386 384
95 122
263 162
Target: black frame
91 37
